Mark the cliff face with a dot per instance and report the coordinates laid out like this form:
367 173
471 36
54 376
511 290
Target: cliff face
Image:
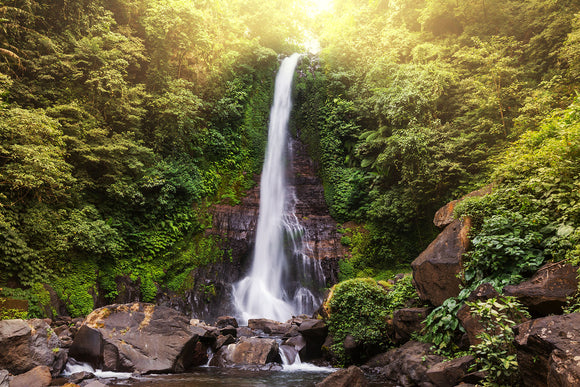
236 225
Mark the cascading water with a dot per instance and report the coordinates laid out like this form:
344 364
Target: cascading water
282 278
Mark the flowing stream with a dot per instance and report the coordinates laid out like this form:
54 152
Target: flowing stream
282 281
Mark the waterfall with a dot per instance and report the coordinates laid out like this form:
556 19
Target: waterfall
282 278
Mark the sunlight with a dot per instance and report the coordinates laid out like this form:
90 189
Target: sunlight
322 5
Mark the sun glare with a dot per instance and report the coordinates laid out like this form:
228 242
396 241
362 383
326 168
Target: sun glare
322 5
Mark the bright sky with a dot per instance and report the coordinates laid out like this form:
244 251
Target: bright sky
322 5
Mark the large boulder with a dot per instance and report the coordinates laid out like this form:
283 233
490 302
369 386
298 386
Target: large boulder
435 270
314 332
444 216
26 344
37 377
405 366
547 291
247 352
349 377
548 350
408 321
140 337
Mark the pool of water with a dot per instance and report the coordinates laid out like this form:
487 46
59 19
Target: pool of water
213 377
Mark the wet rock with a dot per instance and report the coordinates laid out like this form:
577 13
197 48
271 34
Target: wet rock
408 321
297 342
247 352
244 332
26 344
224 340
228 330
435 269
37 377
140 338
315 333
444 216
547 291
289 352
405 366
449 373
548 351
293 331
78 377
88 346
224 321
267 326
470 323
349 377
5 378
95 383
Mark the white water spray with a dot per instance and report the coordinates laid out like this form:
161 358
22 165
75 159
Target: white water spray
277 286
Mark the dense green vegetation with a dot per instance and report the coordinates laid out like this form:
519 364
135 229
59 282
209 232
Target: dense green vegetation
411 101
120 123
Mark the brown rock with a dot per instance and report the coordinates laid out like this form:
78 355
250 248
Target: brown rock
547 291
224 321
88 346
548 350
408 321
470 323
27 344
315 333
140 337
435 269
252 351
224 340
405 366
444 216
267 326
449 373
349 377
37 377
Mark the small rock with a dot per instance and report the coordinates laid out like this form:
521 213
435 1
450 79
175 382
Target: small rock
408 321
228 330
224 321
470 323
449 373
224 340
244 332
349 377
5 378
78 377
267 326
36 377
95 383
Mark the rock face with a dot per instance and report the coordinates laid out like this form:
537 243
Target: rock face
435 269
37 377
547 291
140 337
236 225
27 344
408 321
349 377
444 216
405 366
248 352
549 351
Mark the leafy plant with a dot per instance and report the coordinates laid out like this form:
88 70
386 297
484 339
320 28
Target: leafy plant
496 354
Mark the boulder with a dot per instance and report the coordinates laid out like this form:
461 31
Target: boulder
408 321
547 291
5 378
224 321
252 351
269 327
349 377
37 377
548 350
449 373
27 344
139 337
405 366
228 330
289 353
224 340
244 332
470 323
435 270
78 377
314 332
444 216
